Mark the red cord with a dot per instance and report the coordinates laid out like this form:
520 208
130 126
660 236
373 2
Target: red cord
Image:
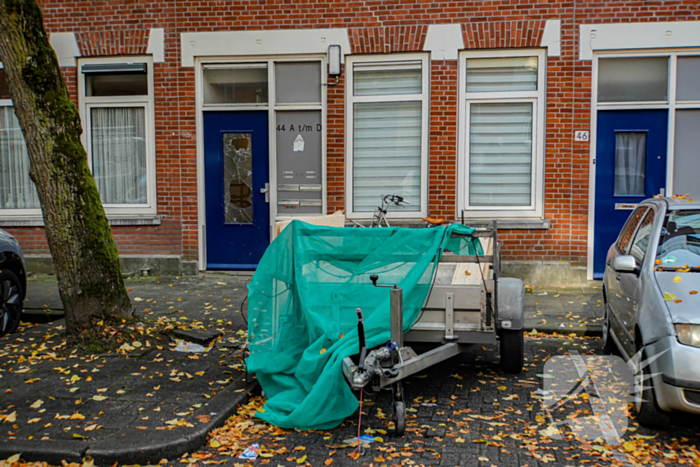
359 425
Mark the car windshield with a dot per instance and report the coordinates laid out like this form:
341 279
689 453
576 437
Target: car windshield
679 245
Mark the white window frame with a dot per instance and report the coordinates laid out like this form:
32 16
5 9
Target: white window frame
351 100
537 98
17 213
147 103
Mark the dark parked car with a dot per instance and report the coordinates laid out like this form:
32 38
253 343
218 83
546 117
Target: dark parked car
13 282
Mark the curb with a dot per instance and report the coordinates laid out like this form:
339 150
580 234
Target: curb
131 446
52 451
593 331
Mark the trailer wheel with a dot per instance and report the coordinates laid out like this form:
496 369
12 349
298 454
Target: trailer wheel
511 347
399 418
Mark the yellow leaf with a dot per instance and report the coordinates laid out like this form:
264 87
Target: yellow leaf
37 404
501 388
378 439
629 445
323 351
668 296
137 299
75 378
12 459
79 436
484 459
34 420
301 460
266 454
214 444
539 419
99 398
11 418
300 448
677 279
77 416
459 440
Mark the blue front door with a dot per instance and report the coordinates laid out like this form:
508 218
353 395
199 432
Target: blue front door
630 167
236 178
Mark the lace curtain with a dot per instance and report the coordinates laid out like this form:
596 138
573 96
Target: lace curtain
17 191
118 137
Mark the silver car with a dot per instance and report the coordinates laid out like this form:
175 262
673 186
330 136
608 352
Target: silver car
13 282
652 306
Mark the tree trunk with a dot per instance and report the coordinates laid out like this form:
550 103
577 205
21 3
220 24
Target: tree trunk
78 233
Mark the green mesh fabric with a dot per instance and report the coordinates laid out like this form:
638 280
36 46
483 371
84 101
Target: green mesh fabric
302 301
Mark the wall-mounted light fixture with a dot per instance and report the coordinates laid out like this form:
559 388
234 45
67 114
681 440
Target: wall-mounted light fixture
334 62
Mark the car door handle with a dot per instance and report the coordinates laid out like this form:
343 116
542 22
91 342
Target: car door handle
266 191
618 276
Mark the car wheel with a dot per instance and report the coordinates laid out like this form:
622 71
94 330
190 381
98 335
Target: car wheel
609 347
649 414
511 350
10 302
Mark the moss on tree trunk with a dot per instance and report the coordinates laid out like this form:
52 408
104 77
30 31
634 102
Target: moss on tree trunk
78 233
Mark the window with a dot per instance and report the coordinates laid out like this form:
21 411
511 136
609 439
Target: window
628 230
633 79
387 133
501 151
641 240
116 104
17 192
630 163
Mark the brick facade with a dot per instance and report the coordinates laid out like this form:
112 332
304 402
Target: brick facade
121 27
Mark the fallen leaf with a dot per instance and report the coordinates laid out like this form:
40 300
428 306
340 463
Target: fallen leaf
677 279
36 404
99 398
668 296
12 459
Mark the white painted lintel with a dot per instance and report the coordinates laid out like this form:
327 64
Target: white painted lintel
260 43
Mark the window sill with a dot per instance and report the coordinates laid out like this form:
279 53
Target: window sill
113 220
506 224
511 224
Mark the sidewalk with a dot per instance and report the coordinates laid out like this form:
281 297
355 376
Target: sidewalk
158 403
565 310
137 407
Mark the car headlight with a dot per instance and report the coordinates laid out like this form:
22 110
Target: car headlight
689 334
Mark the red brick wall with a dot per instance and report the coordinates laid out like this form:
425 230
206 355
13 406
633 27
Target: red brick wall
121 26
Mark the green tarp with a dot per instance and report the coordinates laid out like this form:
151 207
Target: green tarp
302 300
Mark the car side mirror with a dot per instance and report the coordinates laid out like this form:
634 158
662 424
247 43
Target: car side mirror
625 263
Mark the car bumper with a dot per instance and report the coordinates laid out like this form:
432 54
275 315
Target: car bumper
676 375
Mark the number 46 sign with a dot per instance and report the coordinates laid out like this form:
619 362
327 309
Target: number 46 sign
581 136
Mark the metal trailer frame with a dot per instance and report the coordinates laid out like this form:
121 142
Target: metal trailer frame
454 316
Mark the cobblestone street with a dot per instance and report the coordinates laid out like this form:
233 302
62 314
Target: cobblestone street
464 412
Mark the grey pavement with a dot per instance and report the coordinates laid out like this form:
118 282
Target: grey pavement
565 310
465 412
139 407
161 403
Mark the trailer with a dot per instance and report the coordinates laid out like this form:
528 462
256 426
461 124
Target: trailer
468 303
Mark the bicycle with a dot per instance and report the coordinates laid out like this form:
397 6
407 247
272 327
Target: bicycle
380 212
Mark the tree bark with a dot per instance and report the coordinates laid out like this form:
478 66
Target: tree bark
79 236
